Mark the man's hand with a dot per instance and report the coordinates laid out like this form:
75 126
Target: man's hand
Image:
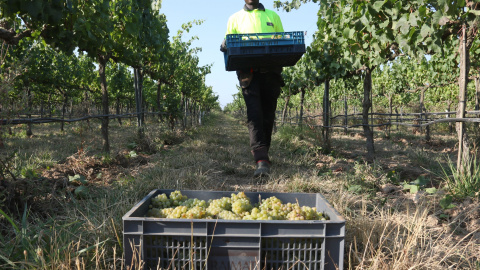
223 46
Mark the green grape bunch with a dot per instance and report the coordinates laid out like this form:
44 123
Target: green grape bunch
236 207
218 205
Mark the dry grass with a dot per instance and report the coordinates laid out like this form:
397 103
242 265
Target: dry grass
385 229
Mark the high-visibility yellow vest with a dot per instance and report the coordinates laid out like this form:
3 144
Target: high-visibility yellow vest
259 20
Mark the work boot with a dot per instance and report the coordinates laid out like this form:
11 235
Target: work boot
263 168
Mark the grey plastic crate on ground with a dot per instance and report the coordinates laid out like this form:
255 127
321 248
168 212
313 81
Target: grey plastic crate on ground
235 244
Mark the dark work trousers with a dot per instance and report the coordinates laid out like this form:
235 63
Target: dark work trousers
261 101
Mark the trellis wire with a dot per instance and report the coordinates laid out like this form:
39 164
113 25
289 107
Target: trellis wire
427 122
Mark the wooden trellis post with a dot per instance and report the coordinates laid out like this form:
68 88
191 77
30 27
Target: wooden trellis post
463 149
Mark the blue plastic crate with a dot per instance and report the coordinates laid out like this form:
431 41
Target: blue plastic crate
263 50
235 244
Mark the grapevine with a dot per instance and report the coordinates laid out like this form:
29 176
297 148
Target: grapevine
235 207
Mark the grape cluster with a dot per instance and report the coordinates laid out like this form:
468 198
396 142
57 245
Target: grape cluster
218 205
177 197
235 207
161 201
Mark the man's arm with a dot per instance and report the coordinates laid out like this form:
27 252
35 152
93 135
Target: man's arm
231 29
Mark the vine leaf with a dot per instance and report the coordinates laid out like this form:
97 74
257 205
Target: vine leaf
378 5
446 203
444 20
425 31
77 178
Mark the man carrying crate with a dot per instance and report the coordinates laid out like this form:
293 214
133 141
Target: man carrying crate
260 87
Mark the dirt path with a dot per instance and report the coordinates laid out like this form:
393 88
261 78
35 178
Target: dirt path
219 154
217 157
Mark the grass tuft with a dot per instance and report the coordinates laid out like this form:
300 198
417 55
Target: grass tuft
463 182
